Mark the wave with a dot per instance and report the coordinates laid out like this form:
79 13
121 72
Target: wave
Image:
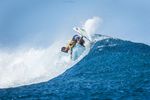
34 65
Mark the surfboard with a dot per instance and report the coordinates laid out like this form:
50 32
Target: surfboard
82 32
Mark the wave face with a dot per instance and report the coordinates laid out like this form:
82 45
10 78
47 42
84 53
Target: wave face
113 69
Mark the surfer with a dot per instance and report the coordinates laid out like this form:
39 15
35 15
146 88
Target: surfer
77 45
75 40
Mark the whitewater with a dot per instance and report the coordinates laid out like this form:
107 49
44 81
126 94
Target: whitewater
34 65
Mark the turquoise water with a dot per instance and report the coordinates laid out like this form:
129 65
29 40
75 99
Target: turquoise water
77 51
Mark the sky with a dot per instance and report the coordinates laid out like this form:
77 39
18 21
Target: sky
37 23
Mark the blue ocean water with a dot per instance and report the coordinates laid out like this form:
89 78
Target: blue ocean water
113 70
